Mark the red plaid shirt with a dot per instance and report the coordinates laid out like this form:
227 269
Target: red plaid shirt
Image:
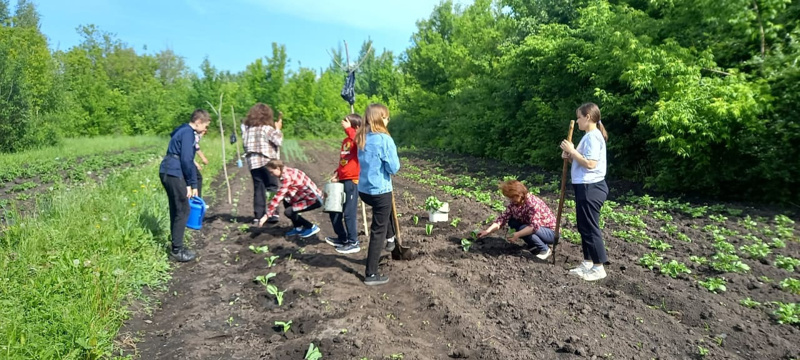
261 144
533 212
296 188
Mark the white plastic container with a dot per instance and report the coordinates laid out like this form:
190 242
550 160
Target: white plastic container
440 215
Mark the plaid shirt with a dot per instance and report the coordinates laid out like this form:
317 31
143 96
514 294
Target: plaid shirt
533 212
297 189
261 145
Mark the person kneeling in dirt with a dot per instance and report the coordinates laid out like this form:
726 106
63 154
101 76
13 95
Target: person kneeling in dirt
531 219
299 194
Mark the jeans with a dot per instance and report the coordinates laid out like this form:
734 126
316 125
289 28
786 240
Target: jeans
263 181
297 220
381 228
539 239
178 208
589 199
345 223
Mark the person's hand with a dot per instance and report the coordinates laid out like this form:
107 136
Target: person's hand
345 124
188 191
567 146
198 166
565 155
194 193
483 233
514 237
205 161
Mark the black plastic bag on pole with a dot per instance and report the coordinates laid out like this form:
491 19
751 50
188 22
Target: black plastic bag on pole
349 89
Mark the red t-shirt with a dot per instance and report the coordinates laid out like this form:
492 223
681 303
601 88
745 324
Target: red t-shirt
348 157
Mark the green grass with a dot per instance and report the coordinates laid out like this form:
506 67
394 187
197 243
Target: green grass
72 148
66 271
292 152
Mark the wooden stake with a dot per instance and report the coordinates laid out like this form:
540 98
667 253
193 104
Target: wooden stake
222 140
562 194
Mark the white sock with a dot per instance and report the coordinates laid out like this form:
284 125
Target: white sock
587 264
598 267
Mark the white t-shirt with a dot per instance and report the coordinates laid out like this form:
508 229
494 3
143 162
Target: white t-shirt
592 147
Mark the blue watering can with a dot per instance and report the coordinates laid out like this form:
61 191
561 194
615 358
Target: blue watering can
197 210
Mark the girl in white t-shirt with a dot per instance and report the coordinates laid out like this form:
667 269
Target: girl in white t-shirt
588 181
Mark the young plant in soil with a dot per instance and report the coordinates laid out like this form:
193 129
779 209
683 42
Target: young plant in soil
455 222
271 260
791 285
415 219
284 325
259 250
432 203
466 244
244 228
273 290
725 262
573 236
778 243
313 353
683 237
787 313
756 251
787 263
651 260
674 268
659 245
264 279
703 352
713 284
701 260
749 303
428 229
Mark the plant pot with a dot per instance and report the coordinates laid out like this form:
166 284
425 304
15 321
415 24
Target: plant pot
439 215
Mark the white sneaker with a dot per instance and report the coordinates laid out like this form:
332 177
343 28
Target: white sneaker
544 255
594 274
582 268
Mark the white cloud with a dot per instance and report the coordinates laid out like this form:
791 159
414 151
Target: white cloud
394 15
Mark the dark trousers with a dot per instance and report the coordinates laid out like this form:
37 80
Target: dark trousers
589 198
537 240
178 208
263 181
345 223
199 184
297 220
380 229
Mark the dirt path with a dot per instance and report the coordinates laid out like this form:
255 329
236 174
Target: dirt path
494 302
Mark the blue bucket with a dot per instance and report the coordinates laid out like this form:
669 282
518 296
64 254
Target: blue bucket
198 210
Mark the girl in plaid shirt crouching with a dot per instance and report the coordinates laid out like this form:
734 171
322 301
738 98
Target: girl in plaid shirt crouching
299 194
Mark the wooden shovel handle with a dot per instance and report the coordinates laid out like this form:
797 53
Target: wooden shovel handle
562 193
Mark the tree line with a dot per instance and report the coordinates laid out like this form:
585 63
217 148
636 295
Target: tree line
698 96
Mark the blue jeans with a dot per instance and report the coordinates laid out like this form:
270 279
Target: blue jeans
537 240
345 223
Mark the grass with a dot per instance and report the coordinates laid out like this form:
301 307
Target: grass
72 148
66 270
292 152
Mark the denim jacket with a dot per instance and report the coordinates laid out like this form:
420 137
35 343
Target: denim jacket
379 161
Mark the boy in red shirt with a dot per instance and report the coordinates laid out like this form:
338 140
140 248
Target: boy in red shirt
345 223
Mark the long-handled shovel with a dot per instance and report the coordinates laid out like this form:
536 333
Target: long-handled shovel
562 193
399 252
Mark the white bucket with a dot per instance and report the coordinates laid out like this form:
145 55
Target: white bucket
334 197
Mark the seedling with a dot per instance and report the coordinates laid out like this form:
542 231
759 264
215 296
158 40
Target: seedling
244 228
415 219
433 204
259 250
313 353
674 268
702 351
264 279
683 237
728 263
466 244
787 313
455 222
659 245
651 260
749 303
670 229
273 290
428 229
271 260
756 251
284 325
702 260
778 243
791 285
713 284
229 321
786 262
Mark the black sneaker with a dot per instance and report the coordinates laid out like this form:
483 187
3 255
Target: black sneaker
376 279
182 255
273 219
389 244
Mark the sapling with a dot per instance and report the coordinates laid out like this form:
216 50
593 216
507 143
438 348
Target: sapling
272 289
284 325
466 244
271 260
428 229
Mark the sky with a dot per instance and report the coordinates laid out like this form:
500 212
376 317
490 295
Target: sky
234 33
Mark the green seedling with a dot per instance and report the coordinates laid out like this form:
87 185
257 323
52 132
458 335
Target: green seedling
670 229
229 321
466 244
259 250
415 219
702 260
765 279
728 263
713 284
778 243
787 313
455 222
271 260
748 223
674 268
651 260
313 353
659 245
703 352
749 303
284 325
787 263
573 236
264 279
433 204
756 251
273 290
683 237
428 229
791 285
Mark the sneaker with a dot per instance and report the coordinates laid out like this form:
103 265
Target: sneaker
256 222
389 244
273 219
544 255
182 255
582 268
308 232
376 279
594 274
349 248
295 231
334 241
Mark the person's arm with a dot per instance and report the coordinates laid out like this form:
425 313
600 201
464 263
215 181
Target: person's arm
202 157
351 133
280 194
198 166
392 161
590 153
502 220
187 159
276 137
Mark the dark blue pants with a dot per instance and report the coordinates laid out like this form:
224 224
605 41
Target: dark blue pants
382 227
345 223
589 199
537 240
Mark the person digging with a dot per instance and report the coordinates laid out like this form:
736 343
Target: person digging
531 219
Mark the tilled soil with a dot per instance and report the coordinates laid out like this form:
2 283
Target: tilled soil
496 301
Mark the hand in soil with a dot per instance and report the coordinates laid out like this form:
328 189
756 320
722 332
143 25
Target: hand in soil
263 220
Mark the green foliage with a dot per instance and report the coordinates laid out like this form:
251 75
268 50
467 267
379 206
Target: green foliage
674 268
432 203
756 251
466 244
791 285
285 326
749 303
428 229
313 353
713 284
787 263
787 313
651 260
260 249
659 245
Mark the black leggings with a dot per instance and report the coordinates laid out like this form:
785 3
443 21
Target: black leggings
297 220
178 208
263 181
381 229
589 199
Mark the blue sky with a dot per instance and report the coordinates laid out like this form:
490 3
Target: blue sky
234 33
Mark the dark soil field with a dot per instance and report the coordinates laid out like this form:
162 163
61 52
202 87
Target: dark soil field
495 301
